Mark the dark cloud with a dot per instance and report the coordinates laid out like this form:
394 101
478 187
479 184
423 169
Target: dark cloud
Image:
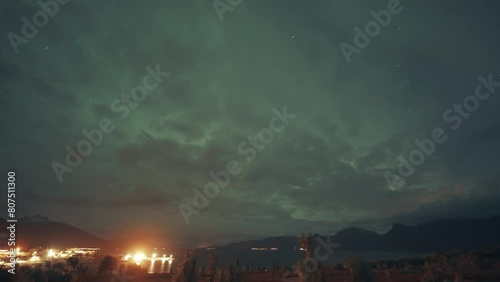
324 171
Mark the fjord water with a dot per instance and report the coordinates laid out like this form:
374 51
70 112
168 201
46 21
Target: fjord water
255 259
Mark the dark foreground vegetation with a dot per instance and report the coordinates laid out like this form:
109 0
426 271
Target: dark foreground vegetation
475 265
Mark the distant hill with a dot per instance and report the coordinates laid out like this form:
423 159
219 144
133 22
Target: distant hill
444 235
39 231
427 237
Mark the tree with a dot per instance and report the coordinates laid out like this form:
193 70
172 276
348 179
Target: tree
357 270
212 263
38 275
108 263
310 269
226 274
307 244
73 262
6 276
59 266
135 270
220 275
187 269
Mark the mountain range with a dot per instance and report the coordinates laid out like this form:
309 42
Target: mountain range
433 236
39 231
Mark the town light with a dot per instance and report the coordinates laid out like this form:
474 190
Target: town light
139 257
51 253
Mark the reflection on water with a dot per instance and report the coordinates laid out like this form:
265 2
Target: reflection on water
158 265
253 259
153 263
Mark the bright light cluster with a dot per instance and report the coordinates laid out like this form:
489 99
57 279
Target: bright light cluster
35 256
139 257
51 253
60 254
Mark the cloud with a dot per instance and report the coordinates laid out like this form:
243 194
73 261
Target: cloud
324 172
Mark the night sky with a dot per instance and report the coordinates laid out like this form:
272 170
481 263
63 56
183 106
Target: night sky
325 170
